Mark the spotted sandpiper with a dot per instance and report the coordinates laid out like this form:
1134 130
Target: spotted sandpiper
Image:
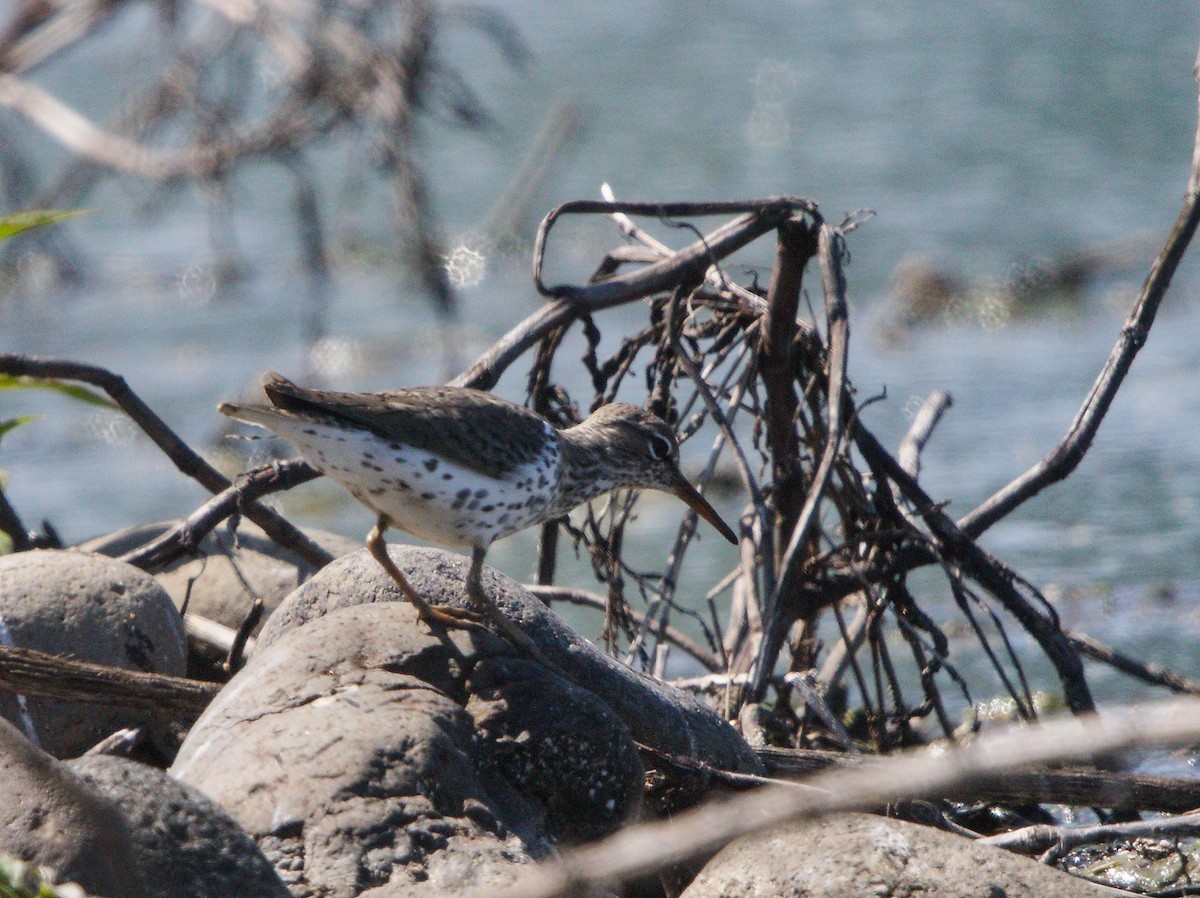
462 467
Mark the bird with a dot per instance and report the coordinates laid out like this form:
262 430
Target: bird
463 467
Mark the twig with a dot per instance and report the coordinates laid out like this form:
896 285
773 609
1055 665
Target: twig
120 744
175 449
1058 840
81 136
714 277
210 633
656 617
592 600
1042 626
805 683
571 302
73 21
686 265
10 523
559 132
185 537
923 423
1144 671
1115 790
241 636
691 767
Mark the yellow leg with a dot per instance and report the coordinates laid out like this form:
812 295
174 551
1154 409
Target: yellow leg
428 613
476 594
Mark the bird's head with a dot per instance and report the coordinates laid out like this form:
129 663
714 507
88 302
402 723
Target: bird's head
641 450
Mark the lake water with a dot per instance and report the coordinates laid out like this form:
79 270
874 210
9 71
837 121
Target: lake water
985 136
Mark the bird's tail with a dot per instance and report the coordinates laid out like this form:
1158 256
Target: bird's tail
262 415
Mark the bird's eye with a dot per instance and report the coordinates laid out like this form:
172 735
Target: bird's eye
661 447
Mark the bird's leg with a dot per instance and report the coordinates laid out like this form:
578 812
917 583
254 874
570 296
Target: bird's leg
475 593
428 613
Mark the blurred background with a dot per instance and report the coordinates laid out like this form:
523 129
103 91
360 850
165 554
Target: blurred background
1024 162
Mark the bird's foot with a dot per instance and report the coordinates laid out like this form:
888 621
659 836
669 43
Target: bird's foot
450 617
459 614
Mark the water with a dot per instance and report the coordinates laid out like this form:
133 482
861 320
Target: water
982 135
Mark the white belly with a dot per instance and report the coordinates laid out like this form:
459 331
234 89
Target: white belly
426 496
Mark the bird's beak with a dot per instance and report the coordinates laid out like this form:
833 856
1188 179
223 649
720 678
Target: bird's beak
699 504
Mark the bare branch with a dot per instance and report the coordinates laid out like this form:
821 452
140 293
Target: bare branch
184 458
923 423
585 599
834 288
29 672
1061 839
1155 674
184 538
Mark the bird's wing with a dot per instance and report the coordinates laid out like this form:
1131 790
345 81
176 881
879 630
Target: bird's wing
468 427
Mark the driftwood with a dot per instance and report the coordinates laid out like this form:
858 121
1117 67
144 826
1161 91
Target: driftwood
30 672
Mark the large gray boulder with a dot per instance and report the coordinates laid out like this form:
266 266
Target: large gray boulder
656 713
48 817
369 755
859 854
183 844
89 608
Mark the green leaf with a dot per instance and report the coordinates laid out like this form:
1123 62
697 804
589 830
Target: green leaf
35 218
13 423
83 394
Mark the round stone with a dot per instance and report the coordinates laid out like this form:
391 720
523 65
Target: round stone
183 844
655 712
860 854
50 817
345 752
88 608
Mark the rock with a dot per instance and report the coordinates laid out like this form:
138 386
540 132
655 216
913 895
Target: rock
555 743
89 608
218 580
368 755
656 713
184 845
50 818
859 854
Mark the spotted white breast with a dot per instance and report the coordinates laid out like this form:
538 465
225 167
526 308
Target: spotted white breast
425 495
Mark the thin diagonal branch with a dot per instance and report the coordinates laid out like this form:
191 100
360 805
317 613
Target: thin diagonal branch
182 455
1067 455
